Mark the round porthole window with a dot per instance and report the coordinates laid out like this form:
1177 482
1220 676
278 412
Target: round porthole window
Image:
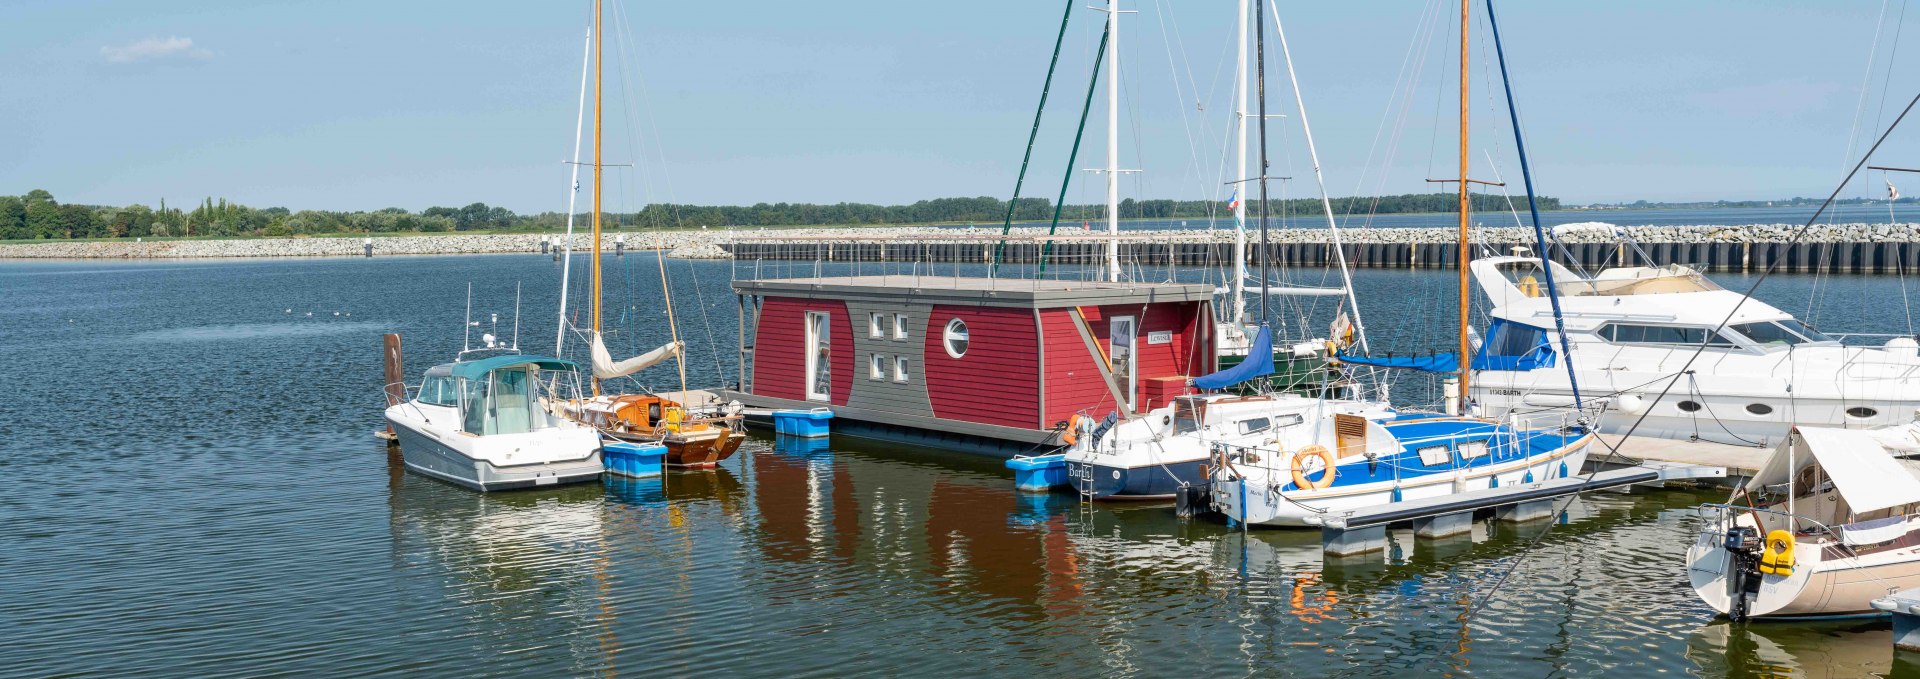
956 338
1689 406
1861 412
1759 409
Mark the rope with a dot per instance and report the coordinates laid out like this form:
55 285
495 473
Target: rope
1066 178
1045 88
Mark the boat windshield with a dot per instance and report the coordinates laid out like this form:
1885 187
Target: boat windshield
438 391
1784 333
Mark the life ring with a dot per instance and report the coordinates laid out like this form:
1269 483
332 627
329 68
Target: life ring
1778 557
1300 472
1072 433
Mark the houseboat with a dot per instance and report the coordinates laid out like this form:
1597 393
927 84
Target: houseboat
989 365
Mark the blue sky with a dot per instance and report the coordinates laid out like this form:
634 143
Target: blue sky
362 105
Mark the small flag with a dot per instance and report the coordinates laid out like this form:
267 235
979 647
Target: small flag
1233 203
1892 193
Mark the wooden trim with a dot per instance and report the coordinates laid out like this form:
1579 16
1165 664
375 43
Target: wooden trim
1100 360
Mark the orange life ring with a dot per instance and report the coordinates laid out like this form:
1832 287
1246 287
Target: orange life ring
1072 433
1300 472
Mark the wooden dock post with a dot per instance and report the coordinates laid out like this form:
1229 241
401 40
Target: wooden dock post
395 384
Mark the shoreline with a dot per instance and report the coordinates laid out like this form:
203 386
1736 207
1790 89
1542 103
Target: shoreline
708 244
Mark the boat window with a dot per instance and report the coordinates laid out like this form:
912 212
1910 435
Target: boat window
1435 456
1634 333
899 326
1689 406
1288 420
877 368
956 338
511 403
438 391
1802 330
1473 450
1513 339
1766 333
1759 408
1186 416
873 324
1258 424
1861 412
473 406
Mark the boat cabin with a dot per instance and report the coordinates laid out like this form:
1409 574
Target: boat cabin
500 394
955 361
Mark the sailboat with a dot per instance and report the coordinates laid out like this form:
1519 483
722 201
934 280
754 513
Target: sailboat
1302 474
696 435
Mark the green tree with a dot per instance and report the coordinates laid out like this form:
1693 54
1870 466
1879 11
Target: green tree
43 216
13 219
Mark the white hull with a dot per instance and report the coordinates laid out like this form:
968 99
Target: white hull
1822 584
505 461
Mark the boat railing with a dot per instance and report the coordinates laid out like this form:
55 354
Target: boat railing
1728 508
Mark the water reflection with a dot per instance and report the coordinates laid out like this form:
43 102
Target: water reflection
1814 650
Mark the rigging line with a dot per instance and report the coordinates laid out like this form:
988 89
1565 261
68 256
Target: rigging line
1420 50
1066 179
1773 265
1193 145
1046 87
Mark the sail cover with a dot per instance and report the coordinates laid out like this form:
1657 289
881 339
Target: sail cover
1433 363
604 367
1259 363
1868 477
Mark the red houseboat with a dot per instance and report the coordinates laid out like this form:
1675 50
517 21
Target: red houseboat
992 365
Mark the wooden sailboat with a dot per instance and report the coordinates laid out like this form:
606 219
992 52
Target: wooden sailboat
697 435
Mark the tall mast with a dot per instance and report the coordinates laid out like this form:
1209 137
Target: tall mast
599 66
1113 139
573 194
1466 359
1260 75
1240 177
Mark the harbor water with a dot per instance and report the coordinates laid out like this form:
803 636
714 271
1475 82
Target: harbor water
195 490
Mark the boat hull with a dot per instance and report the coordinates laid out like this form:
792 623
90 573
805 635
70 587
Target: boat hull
698 452
1150 482
1255 503
1820 586
427 456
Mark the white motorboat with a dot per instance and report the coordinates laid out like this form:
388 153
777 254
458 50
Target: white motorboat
490 424
1632 329
1827 525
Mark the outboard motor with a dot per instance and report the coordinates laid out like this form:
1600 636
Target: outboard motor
1743 579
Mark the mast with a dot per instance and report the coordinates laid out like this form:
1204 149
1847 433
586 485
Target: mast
573 194
1240 155
1260 75
599 66
1113 139
1466 361
1326 203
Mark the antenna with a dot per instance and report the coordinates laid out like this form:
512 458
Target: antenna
516 318
466 326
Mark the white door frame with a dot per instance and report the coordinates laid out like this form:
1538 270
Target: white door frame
819 334
1132 344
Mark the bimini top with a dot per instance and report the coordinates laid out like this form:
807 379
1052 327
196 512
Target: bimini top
1864 473
478 369
977 290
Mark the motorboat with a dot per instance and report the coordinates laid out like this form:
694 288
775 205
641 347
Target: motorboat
493 424
1825 526
1344 462
1154 455
1631 332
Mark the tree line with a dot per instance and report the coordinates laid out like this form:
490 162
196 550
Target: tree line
36 215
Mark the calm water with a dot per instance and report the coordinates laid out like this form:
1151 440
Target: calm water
1867 214
195 490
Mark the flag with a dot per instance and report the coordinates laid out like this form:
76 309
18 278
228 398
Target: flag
1233 203
1892 193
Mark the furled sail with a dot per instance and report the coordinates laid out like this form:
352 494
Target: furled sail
604 367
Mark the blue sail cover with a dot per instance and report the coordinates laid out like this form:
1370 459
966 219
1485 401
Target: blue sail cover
1259 363
1510 346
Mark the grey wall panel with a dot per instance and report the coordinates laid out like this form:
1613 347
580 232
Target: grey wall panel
885 394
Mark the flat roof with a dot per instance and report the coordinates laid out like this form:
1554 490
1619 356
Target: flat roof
1025 292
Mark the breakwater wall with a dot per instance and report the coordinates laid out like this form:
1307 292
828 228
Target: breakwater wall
686 244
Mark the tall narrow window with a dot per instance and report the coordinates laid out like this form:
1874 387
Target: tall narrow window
1121 359
877 367
899 368
873 324
819 358
899 326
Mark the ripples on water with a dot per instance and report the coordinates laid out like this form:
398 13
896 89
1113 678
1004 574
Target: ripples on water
195 491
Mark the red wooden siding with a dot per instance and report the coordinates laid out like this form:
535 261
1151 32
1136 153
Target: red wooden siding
1073 378
780 348
997 381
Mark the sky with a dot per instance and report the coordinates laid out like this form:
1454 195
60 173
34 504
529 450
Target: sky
351 104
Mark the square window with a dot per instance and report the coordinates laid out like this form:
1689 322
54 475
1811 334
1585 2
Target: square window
1258 424
1435 456
899 368
877 368
873 324
899 326
1470 450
